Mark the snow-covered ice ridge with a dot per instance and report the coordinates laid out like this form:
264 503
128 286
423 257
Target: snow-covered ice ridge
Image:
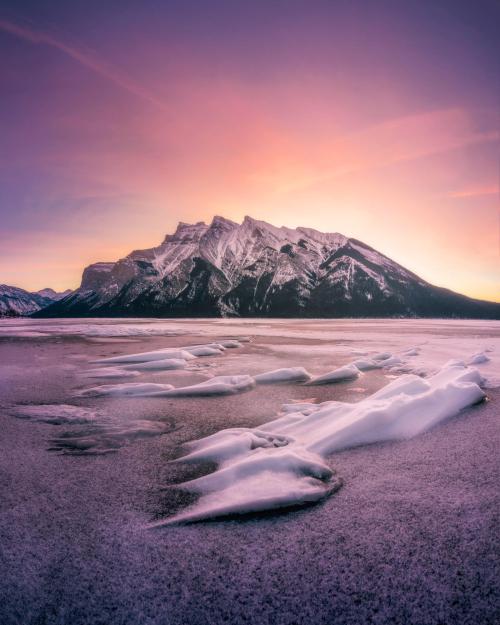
172 358
282 462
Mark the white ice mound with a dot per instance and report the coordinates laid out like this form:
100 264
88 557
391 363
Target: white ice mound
342 374
157 365
55 414
134 389
219 385
281 462
288 374
159 354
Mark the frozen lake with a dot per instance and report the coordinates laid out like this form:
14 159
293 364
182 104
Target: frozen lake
404 524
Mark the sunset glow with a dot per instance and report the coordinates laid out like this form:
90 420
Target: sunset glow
348 117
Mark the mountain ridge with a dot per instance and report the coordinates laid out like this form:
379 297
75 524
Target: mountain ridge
15 302
256 269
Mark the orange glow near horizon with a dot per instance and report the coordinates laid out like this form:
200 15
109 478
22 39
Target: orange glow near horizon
118 162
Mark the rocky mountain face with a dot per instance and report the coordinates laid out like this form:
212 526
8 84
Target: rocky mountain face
15 302
256 269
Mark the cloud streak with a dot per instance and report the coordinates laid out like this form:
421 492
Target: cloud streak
86 59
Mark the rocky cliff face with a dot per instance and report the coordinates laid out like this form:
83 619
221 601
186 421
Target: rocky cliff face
256 269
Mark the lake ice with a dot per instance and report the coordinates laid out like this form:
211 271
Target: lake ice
415 375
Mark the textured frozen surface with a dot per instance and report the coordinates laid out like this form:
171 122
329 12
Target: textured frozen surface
411 537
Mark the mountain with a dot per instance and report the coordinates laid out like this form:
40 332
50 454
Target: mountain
53 295
15 302
256 269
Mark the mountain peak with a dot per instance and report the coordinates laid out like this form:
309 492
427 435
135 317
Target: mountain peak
219 221
256 269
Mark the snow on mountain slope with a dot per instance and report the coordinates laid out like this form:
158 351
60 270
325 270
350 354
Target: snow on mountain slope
16 302
257 269
53 295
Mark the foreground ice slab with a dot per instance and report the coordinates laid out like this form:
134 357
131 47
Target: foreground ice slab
281 463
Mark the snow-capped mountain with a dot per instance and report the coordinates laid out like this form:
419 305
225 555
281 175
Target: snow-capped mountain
53 295
256 269
16 302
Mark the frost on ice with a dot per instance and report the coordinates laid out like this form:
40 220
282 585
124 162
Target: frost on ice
281 463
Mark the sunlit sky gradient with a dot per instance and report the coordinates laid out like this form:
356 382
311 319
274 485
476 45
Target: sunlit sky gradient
377 119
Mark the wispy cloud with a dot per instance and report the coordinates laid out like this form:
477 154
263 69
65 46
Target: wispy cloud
86 58
478 192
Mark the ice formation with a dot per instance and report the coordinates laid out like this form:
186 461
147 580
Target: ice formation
157 365
281 463
55 414
134 389
107 436
287 374
342 374
158 354
219 385
366 365
109 372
